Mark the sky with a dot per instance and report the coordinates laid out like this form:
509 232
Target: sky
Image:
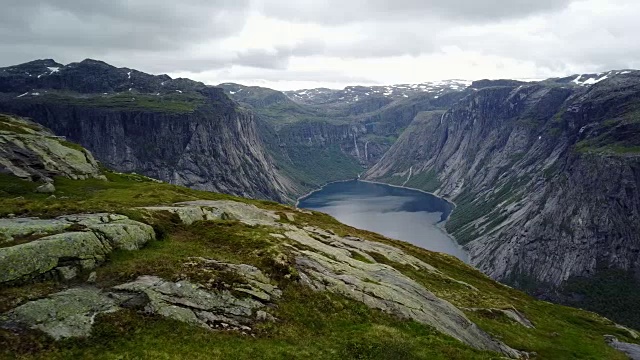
295 44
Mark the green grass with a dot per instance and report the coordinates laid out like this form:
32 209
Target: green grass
427 181
170 103
310 324
119 193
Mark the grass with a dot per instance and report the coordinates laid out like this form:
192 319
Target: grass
118 193
310 324
169 103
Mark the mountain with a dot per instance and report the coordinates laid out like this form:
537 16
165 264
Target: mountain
176 130
546 178
353 94
317 143
124 266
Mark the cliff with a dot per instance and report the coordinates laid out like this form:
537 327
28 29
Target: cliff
546 182
175 130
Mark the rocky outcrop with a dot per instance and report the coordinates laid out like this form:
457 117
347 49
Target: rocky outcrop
545 178
31 152
345 265
631 350
62 246
71 313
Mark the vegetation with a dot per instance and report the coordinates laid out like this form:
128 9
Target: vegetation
612 292
166 102
316 324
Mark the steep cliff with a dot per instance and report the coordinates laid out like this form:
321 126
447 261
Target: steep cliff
546 179
314 143
176 130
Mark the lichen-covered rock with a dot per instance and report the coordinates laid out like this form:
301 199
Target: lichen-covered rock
47 188
192 211
191 303
66 314
326 264
100 234
29 151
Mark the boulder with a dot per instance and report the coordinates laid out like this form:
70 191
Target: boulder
47 188
94 236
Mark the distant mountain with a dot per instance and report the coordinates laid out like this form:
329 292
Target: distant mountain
353 94
546 179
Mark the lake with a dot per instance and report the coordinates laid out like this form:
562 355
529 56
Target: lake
404 214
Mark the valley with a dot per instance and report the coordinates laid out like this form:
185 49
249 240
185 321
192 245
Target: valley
545 178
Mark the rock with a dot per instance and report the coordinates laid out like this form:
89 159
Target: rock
92 277
66 314
192 211
67 272
32 152
104 233
632 333
191 303
328 265
47 188
264 316
631 350
511 313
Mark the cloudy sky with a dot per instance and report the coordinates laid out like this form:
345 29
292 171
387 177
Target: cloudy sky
291 44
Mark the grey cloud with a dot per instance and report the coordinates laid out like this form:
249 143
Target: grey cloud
340 11
112 26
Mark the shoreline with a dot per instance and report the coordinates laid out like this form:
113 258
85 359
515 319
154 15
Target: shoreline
439 225
318 189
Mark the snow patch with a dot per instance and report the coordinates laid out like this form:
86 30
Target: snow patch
129 75
25 94
53 69
179 91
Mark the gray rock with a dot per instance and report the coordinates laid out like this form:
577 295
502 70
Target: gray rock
67 272
512 314
34 153
104 233
191 303
329 266
92 277
47 188
192 211
631 350
66 314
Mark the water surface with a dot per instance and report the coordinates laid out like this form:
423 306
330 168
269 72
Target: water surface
404 214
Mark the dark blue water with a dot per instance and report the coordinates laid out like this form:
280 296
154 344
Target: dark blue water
403 214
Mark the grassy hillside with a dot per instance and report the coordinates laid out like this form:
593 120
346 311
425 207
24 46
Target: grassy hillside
310 324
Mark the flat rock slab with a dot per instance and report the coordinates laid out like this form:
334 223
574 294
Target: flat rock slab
631 350
71 313
93 237
199 210
326 263
62 315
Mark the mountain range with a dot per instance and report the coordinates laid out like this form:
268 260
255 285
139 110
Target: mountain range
545 175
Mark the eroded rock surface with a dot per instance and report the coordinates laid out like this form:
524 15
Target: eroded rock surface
31 152
631 350
78 241
329 266
62 315
192 211
71 313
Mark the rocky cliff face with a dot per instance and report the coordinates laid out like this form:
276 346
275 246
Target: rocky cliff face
546 178
179 131
315 143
